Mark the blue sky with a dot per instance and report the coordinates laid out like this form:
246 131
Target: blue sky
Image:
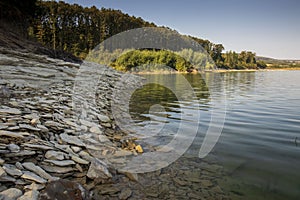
268 27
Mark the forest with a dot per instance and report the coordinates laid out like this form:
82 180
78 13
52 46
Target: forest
78 30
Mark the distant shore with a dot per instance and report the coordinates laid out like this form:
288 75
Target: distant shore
215 71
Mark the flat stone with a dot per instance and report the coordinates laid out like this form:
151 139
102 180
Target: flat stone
37 146
13 128
59 170
61 163
70 123
10 134
33 177
26 126
12 170
21 154
98 170
37 170
55 155
2 172
13 148
34 186
125 194
3 127
30 195
85 155
131 176
42 128
75 149
103 118
53 124
10 194
72 140
103 138
1 161
205 183
87 123
180 182
95 130
6 178
107 125
12 111
77 166
122 153
79 160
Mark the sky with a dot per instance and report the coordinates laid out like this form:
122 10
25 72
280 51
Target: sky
270 28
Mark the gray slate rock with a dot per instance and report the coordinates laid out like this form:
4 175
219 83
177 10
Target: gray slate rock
98 170
61 163
13 148
12 111
12 170
54 155
71 140
33 177
37 170
10 194
30 195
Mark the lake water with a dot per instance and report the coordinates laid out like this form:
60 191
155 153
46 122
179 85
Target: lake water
258 151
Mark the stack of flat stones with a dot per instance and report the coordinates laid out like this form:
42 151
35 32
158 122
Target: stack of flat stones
43 139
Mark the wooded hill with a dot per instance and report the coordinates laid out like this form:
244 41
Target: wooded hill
78 30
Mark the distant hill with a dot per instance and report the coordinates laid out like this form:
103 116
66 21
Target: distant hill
278 63
273 60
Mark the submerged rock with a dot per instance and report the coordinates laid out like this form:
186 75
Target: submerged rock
64 190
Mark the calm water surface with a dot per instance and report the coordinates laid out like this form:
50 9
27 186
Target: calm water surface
259 148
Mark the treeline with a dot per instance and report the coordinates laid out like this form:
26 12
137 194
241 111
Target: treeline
76 29
243 60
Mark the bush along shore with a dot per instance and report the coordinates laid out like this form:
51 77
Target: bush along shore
44 150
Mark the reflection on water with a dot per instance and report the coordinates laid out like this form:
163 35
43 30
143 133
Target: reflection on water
259 149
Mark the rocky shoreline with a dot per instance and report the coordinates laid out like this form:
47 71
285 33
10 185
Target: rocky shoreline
50 148
41 142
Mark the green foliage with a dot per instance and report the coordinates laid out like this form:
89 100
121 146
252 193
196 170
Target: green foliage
151 60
